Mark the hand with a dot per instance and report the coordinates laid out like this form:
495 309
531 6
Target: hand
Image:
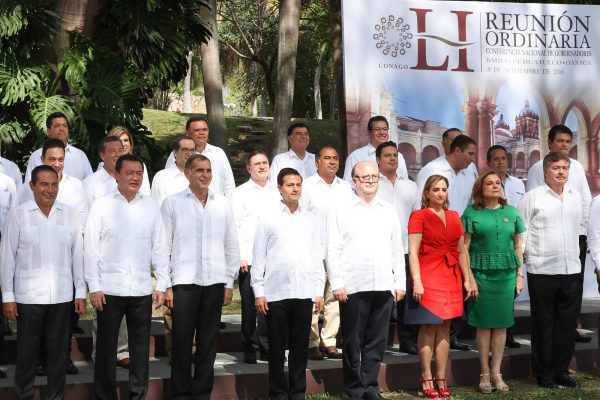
227 296
474 289
340 295
243 267
159 299
318 305
469 289
520 285
80 306
399 295
98 300
169 298
261 305
418 290
10 310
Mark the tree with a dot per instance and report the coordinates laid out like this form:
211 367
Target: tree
335 21
213 83
289 17
98 61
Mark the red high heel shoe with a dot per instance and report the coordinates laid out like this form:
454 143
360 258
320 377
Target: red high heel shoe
443 389
428 392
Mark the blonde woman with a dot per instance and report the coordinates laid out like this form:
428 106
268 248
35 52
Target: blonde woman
126 139
439 268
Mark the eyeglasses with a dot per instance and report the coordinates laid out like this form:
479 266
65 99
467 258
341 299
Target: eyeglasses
187 151
380 129
367 178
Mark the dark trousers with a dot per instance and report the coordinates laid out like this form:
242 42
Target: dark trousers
195 309
253 336
137 311
364 321
288 319
553 300
582 255
73 319
407 334
37 321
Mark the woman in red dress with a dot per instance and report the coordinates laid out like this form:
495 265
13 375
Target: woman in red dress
439 269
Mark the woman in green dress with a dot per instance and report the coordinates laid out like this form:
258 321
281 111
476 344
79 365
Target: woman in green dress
492 237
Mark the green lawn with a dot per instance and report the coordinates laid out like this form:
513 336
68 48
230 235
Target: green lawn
522 389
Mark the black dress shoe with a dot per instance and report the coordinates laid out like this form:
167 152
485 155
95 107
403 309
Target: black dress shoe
456 345
222 325
567 381
264 356
249 356
371 396
71 368
78 329
2 374
40 370
547 384
409 348
582 339
511 343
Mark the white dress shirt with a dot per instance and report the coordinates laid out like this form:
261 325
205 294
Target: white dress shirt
70 192
364 251
305 167
222 181
460 185
513 190
286 263
145 183
76 163
249 200
100 183
593 236
167 182
551 242
123 240
320 198
404 196
367 153
202 241
8 197
42 257
577 180
11 169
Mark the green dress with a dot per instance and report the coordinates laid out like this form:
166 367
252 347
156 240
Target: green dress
494 263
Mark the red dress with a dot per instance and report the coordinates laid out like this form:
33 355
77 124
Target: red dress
440 274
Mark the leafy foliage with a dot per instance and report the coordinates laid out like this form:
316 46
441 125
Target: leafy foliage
109 70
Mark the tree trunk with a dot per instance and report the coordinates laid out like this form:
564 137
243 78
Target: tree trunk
317 82
74 15
213 83
332 94
335 24
289 20
187 86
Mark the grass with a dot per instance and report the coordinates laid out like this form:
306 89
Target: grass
522 389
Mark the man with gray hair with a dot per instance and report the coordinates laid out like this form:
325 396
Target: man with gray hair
552 214
365 267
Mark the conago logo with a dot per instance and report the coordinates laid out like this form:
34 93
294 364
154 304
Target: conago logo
392 36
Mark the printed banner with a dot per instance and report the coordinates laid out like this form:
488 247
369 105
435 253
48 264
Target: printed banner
504 73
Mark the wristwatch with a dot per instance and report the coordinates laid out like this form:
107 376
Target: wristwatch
521 274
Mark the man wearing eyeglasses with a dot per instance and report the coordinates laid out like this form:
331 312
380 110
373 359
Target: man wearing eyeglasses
172 180
379 132
296 157
196 128
365 262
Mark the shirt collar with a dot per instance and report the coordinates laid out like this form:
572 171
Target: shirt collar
104 176
31 205
292 154
188 192
116 194
357 200
285 208
566 189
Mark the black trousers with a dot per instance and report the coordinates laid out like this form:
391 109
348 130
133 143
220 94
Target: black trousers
73 320
138 313
288 319
253 336
37 321
582 255
553 300
364 321
407 334
195 309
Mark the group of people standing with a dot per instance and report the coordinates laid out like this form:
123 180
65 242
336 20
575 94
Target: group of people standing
300 240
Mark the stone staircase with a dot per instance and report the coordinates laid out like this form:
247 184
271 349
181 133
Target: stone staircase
236 380
251 136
